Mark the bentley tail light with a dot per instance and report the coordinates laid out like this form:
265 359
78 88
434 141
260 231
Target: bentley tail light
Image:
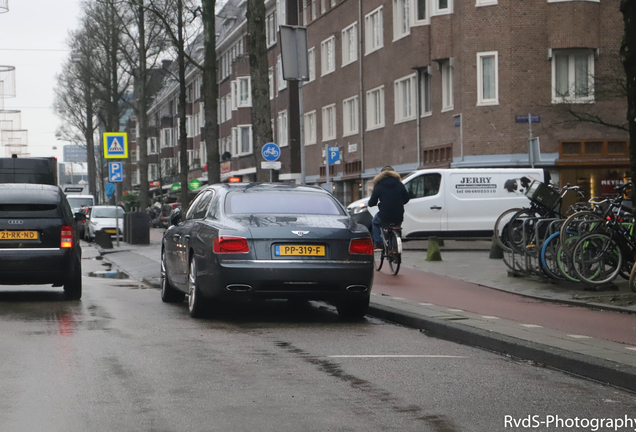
66 237
361 246
228 244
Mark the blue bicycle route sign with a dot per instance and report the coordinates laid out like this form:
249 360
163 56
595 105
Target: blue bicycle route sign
270 152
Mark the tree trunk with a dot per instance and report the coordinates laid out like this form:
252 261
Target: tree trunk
628 56
183 136
210 93
142 110
88 135
259 68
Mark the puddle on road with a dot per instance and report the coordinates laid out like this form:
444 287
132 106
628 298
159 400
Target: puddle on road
109 274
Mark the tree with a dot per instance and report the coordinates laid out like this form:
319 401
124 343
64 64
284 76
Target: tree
210 91
628 57
259 72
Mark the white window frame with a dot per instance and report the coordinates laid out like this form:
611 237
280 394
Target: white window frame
234 95
571 54
239 142
152 146
222 111
333 3
323 6
350 116
329 119
311 59
272 83
447 85
281 12
152 172
372 109
203 153
235 147
244 100
481 101
373 42
425 94
350 44
270 29
427 13
559 1
405 108
305 14
436 10
310 127
283 129
313 9
480 3
401 19
327 57
282 83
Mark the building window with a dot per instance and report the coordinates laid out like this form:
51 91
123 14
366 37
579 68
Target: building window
329 122
272 84
401 19
244 140
487 78
282 129
442 7
222 111
310 128
270 29
333 3
375 108
203 153
228 107
311 59
405 108
282 83
327 56
234 95
281 12
350 116
152 146
313 9
489 2
350 44
572 76
166 138
420 12
447 85
244 92
152 172
323 6
374 31
425 94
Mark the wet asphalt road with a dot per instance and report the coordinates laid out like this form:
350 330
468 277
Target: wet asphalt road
121 360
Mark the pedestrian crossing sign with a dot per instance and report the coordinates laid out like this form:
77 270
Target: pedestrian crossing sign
115 145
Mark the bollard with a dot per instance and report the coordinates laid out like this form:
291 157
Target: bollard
432 252
103 239
496 252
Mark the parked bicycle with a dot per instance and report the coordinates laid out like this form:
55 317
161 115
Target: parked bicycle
391 248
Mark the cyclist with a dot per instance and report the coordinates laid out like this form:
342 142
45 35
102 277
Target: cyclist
392 195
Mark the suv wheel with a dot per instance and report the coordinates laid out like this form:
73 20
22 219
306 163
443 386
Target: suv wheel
73 285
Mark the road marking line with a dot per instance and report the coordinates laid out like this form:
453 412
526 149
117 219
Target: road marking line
426 304
631 348
490 317
531 325
455 310
394 356
580 337
398 298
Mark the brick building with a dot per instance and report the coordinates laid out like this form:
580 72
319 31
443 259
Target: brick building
420 84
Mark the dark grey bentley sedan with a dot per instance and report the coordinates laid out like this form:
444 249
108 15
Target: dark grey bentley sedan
268 241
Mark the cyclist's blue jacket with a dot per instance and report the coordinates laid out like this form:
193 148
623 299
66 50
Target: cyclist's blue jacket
392 195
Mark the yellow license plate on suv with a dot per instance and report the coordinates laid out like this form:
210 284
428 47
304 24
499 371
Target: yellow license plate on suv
18 235
300 250
110 231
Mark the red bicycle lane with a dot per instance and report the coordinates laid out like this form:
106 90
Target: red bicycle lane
424 287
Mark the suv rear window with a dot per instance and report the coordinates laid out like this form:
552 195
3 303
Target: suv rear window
281 203
29 210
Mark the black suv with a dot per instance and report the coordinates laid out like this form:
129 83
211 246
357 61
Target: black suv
39 243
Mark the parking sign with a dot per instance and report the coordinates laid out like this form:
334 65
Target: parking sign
115 171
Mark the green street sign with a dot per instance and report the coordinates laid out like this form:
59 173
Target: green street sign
194 184
175 187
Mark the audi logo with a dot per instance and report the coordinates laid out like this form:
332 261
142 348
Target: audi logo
16 222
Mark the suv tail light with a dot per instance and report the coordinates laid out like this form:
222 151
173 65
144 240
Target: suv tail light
228 244
66 237
361 246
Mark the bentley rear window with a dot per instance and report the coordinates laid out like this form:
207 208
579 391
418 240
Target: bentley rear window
281 203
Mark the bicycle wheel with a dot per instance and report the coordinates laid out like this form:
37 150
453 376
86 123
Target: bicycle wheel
597 259
549 252
632 278
564 260
378 259
501 228
395 252
521 231
578 225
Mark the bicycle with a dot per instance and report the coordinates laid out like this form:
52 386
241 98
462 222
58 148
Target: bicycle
391 248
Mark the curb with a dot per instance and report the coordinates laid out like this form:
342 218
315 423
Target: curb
600 370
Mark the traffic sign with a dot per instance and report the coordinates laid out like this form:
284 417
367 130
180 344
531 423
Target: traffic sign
115 145
270 152
334 155
271 165
115 171
194 184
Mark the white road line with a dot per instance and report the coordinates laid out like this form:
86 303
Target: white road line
398 298
394 356
631 348
490 317
580 337
455 310
531 325
426 304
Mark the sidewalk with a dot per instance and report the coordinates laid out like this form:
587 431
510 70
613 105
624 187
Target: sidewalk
592 357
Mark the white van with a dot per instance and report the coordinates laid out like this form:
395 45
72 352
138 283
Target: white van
458 203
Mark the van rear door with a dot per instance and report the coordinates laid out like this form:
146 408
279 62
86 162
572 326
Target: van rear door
425 212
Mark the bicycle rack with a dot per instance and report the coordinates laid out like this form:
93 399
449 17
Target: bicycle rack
528 262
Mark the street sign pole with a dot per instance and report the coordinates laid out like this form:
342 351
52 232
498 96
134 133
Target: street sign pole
327 165
530 140
117 216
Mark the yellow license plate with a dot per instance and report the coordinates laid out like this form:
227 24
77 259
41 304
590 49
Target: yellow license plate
18 235
300 250
110 231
